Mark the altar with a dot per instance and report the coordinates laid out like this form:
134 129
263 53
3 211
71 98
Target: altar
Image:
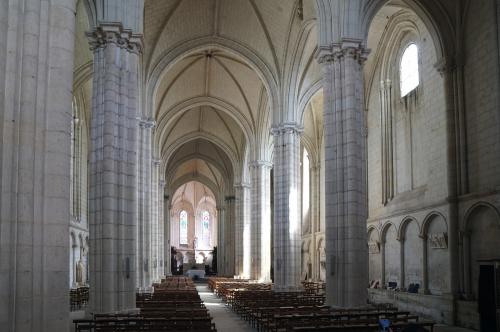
198 274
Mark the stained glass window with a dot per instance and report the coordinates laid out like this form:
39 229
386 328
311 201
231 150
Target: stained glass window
205 224
409 70
183 232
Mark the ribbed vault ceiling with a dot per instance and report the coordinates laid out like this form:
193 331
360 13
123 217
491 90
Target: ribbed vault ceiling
200 160
217 75
215 70
206 122
261 25
193 192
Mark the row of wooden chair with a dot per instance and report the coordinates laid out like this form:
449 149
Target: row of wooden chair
173 305
78 298
304 310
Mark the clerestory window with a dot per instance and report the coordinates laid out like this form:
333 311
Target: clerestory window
408 70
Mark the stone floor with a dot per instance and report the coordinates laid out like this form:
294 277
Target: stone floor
224 318
227 321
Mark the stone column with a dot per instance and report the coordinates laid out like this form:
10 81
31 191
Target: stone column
261 221
155 227
113 168
287 216
242 205
166 232
452 72
146 127
229 236
161 229
345 174
221 241
386 136
315 216
36 76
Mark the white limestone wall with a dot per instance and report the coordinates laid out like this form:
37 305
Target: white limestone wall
435 258
412 253
392 250
419 181
481 79
419 133
374 256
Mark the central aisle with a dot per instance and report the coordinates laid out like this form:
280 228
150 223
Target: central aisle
225 320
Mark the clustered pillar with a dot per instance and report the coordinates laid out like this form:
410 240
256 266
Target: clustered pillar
113 167
228 249
287 218
221 241
166 234
242 234
146 127
261 221
345 173
36 73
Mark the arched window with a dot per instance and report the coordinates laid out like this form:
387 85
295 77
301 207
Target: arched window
205 226
183 228
408 70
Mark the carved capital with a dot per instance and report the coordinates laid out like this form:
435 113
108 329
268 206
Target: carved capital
445 65
287 128
243 185
156 162
261 163
114 33
348 48
146 123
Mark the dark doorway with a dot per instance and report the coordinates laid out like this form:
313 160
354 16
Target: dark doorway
486 298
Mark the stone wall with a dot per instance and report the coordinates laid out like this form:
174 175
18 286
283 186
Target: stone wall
437 308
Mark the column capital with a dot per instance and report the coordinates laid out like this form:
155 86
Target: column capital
243 185
347 48
156 162
162 183
114 33
287 127
445 65
230 198
259 163
315 166
146 123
